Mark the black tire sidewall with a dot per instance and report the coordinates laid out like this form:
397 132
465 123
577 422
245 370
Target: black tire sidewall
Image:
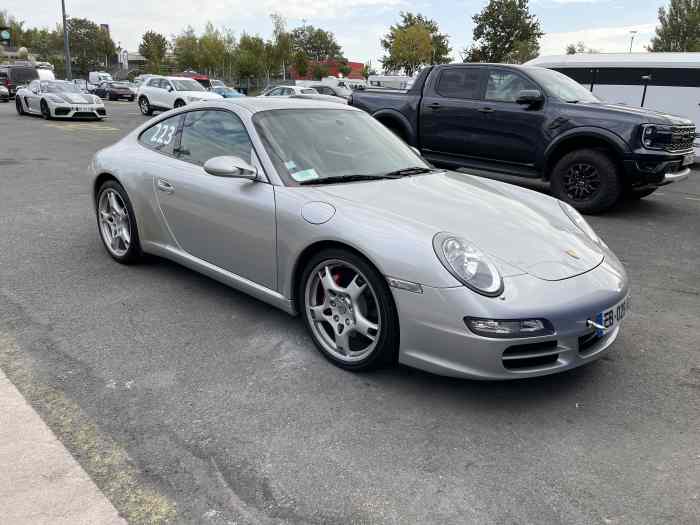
611 184
134 253
45 115
386 350
18 106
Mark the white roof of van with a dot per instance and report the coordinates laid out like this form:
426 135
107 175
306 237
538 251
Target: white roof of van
642 60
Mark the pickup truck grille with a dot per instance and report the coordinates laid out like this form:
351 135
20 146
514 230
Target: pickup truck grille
682 138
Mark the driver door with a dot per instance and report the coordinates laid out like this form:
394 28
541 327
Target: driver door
225 221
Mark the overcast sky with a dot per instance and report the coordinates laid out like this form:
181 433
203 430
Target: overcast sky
358 24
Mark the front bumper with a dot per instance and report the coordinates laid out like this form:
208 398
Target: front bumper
435 338
69 111
645 169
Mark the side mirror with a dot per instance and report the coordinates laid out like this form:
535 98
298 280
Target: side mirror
530 97
170 89
230 166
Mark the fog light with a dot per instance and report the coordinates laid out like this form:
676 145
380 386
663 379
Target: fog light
511 328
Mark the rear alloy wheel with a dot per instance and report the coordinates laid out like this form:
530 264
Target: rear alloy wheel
117 223
18 105
145 107
349 310
588 180
45 111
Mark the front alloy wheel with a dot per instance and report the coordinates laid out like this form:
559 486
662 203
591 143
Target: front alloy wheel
116 222
145 107
349 311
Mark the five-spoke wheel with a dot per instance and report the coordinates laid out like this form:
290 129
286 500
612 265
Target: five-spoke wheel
349 310
116 223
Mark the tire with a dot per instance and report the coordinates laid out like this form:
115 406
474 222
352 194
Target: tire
634 195
116 223
45 111
335 305
179 103
145 107
588 180
20 108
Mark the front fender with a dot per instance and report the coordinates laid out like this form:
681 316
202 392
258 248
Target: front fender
614 140
401 120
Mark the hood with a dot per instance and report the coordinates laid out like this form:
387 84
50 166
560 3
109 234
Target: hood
76 98
645 115
524 229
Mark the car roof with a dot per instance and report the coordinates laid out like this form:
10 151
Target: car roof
258 104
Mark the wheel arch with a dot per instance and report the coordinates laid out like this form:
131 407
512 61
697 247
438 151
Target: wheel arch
395 120
307 253
598 139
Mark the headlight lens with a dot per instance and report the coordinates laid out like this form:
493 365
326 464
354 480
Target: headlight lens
581 223
656 136
97 100
468 264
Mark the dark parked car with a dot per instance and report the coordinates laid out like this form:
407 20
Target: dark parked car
114 91
536 123
13 76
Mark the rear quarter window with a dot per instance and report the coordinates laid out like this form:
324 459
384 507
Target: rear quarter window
162 136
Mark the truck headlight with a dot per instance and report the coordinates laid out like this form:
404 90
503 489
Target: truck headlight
468 264
656 136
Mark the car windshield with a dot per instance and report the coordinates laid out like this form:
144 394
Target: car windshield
560 86
309 145
186 84
59 87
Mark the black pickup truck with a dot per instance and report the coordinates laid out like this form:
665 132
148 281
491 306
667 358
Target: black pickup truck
536 123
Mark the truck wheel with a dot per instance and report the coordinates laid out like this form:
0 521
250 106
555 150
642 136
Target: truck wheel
588 180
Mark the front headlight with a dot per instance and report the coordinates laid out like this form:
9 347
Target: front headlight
581 223
657 136
97 100
468 264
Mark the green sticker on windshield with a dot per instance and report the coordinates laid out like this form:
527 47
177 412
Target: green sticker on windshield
304 175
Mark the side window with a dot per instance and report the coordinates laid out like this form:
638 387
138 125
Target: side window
460 82
504 86
207 134
275 92
162 136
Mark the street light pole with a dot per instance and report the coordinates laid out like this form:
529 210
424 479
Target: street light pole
633 32
66 46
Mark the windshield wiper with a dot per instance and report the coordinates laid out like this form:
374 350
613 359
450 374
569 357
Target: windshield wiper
348 178
414 170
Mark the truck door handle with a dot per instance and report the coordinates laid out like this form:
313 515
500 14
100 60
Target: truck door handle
164 185
486 110
434 105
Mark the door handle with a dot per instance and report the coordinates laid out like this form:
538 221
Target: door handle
434 105
164 185
486 110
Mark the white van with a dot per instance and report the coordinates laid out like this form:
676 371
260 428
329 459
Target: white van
390 81
668 82
97 77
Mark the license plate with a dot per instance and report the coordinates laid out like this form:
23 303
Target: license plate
609 319
688 159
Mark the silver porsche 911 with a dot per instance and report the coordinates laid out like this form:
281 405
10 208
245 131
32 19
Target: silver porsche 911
318 209
58 99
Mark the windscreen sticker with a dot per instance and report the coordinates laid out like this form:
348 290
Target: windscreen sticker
290 165
304 175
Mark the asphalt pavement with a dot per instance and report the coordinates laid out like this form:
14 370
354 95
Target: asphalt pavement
189 402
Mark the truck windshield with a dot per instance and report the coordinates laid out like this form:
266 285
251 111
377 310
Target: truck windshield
310 145
560 86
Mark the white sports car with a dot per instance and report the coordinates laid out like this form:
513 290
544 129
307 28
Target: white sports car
58 99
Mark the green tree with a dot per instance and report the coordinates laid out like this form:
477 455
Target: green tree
368 70
505 31
679 27
301 63
153 48
318 71
316 44
186 49
579 48
411 48
344 68
212 50
440 48
282 42
90 45
250 50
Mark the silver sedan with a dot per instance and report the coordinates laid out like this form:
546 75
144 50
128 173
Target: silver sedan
318 209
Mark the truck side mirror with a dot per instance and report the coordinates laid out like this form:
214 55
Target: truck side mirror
530 97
